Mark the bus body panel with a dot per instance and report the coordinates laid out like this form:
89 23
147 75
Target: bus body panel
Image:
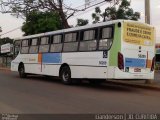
50 64
84 72
81 65
14 66
93 59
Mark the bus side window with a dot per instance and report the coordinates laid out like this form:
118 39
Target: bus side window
106 38
56 43
34 46
88 40
25 46
44 45
71 42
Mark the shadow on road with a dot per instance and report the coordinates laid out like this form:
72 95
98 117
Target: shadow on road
107 86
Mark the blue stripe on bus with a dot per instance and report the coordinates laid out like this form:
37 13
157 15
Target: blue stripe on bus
51 58
133 62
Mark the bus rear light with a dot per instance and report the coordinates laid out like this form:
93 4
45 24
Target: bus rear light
153 62
120 61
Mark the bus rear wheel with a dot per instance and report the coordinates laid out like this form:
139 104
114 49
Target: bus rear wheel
21 71
65 75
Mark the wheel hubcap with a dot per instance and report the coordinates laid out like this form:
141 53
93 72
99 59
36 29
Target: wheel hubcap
65 76
21 71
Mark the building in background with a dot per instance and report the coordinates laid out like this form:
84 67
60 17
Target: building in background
6 54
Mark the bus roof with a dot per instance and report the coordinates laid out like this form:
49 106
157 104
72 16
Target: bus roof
78 28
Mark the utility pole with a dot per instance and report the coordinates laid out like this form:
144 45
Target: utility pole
0 31
147 20
147 11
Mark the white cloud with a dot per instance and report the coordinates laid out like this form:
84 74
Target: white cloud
8 23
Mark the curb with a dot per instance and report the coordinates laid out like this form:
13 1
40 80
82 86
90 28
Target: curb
143 86
5 69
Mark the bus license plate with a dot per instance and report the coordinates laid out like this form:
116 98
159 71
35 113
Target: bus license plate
137 70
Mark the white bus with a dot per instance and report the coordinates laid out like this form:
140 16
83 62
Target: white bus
120 49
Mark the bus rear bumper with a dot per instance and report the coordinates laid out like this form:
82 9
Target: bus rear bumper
126 75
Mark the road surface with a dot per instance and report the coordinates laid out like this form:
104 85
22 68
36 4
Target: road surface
37 94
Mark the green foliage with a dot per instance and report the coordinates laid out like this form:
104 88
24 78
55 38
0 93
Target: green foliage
124 12
96 16
6 40
111 13
0 29
40 22
82 22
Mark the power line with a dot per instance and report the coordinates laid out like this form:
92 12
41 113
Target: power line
83 6
99 3
84 12
74 16
11 31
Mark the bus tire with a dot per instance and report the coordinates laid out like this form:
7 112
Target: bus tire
21 71
65 75
149 81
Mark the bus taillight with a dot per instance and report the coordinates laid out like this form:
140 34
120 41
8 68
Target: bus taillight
120 61
153 62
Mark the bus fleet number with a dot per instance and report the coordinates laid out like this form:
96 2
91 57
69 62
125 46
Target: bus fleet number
102 62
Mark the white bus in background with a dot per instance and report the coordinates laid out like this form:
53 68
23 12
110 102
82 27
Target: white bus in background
120 49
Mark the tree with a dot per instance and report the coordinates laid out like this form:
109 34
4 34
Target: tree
5 40
96 16
111 13
82 22
39 22
21 8
0 29
24 7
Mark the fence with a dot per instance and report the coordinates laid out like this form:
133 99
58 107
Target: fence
5 61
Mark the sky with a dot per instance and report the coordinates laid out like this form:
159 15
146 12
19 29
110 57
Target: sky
9 23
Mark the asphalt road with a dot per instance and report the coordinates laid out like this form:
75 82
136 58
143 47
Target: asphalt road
38 95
